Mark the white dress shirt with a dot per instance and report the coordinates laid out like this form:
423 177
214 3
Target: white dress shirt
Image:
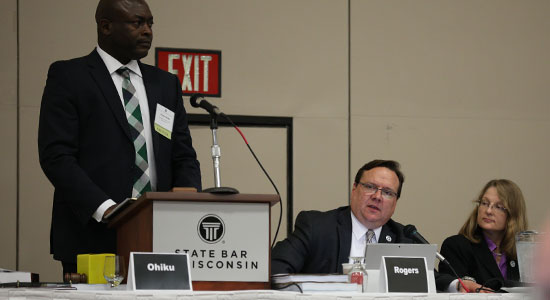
359 237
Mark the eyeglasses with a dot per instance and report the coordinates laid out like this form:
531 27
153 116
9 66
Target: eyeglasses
486 205
369 189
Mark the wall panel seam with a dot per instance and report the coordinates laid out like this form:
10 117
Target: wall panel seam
349 99
18 140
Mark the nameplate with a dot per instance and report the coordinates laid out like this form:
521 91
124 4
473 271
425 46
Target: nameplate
405 274
159 271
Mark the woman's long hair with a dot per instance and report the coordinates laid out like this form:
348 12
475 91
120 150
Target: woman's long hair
512 198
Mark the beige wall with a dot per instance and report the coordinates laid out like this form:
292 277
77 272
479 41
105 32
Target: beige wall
455 90
8 134
458 92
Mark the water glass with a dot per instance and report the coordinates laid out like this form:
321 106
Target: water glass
114 270
526 242
358 273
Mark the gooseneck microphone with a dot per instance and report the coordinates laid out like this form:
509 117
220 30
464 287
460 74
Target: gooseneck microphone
411 232
197 100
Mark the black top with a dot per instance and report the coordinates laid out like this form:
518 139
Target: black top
475 260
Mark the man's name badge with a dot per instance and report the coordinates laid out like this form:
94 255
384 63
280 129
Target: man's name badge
164 121
405 274
159 271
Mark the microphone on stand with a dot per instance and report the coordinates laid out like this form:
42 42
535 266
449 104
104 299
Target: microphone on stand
214 112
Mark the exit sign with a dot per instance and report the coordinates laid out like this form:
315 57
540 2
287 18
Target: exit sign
199 71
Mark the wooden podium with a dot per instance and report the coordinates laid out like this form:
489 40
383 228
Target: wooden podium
138 230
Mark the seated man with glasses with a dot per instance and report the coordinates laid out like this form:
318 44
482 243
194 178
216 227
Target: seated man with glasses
485 249
322 241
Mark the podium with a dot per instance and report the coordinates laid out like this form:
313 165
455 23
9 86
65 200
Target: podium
227 237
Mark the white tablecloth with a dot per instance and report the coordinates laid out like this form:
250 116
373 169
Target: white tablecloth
105 293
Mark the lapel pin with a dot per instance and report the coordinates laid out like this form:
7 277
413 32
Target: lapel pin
512 264
388 238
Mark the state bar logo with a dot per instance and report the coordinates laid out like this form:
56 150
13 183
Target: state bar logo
211 229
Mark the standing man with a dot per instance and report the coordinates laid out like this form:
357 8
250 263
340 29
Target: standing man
110 128
322 241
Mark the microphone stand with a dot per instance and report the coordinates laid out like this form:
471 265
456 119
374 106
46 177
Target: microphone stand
216 154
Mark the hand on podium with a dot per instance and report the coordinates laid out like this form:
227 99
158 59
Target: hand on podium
109 210
107 213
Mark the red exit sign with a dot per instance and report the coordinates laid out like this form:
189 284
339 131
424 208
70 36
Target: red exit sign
199 71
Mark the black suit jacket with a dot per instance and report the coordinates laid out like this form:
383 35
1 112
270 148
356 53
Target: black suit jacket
86 151
475 260
321 242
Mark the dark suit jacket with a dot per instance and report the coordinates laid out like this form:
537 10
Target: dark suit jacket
473 259
321 242
86 151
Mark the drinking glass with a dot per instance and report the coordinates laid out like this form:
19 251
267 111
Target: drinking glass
358 273
526 242
114 270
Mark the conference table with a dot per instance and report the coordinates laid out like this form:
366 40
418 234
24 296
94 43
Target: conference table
103 292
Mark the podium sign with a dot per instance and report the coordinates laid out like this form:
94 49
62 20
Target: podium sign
224 241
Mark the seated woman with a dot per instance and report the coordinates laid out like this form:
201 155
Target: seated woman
485 248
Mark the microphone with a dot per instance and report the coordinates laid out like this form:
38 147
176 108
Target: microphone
211 109
411 232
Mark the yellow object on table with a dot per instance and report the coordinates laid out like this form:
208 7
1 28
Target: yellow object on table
92 266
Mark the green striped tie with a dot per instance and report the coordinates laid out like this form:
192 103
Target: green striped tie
142 183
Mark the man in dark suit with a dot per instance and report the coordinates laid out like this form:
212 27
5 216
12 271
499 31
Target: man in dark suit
322 241
110 128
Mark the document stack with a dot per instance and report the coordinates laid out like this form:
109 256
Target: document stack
314 283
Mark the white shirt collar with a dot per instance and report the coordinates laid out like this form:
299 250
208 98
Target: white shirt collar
113 64
359 230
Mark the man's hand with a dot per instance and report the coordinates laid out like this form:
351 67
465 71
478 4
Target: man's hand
109 210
